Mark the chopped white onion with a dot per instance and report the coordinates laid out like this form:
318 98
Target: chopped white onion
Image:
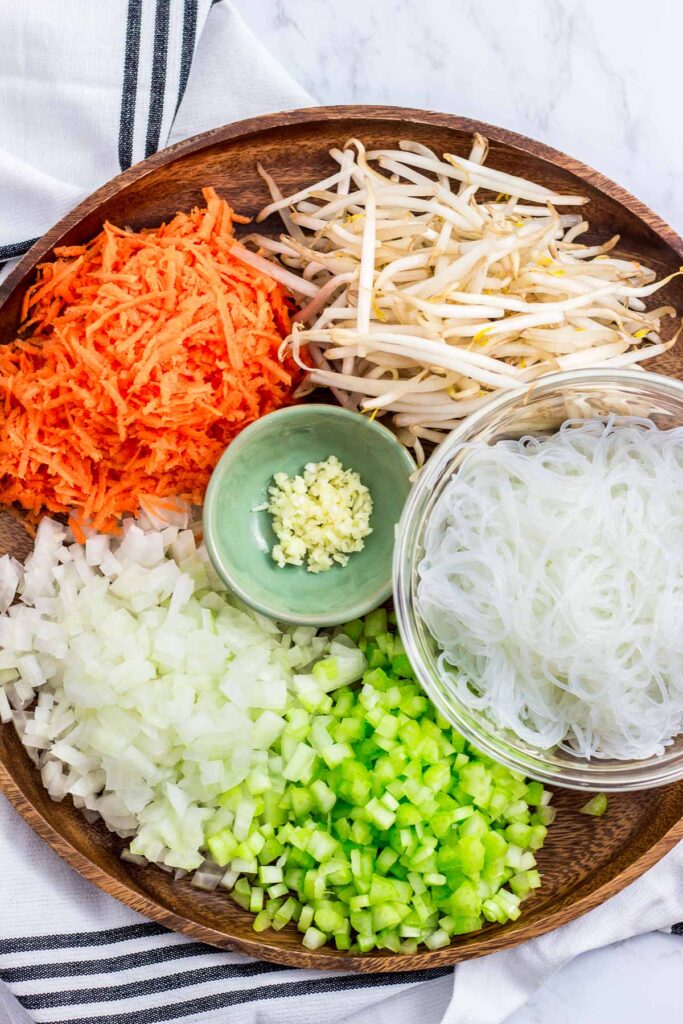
153 690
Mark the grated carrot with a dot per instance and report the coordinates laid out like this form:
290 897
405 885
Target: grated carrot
142 355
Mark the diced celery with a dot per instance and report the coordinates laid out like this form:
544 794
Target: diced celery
222 846
314 939
596 806
375 623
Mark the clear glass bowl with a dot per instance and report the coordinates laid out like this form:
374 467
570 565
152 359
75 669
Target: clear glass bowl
537 409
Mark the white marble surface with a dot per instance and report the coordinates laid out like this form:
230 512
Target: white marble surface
599 80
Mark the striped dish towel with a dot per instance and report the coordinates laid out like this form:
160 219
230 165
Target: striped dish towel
86 89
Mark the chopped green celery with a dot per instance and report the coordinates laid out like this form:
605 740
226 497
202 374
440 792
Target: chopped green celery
429 750
383 889
376 658
222 846
465 901
301 801
475 779
513 856
306 917
322 846
257 781
361 921
437 939
277 890
241 893
465 924
270 851
476 824
348 729
361 833
435 878
408 814
314 939
387 726
335 753
353 629
596 806
379 815
375 623
471 854
256 899
438 776
284 914
262 921
401 666
537 837
417 882
389 939
375 681
385 642
520 884
518 834
392 700
323 795
337 872
273 813
299 767
386 859
534 794
294 878
329 916
269 874
369 822
245 865
544 815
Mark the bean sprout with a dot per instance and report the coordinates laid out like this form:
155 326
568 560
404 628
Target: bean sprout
422 292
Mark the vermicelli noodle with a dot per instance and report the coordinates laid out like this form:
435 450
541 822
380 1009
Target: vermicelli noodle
552 579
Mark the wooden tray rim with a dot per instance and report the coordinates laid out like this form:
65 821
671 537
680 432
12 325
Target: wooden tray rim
492 939
307 115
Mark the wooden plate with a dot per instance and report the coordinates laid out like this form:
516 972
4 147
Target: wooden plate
585 860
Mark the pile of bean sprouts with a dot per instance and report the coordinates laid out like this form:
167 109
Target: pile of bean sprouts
428 284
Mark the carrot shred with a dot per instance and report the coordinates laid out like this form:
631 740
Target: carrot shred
142 355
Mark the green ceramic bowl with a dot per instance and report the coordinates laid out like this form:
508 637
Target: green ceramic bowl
239 540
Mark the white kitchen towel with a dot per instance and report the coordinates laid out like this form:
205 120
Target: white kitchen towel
86 89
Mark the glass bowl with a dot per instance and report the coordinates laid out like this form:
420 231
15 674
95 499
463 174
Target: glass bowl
539 408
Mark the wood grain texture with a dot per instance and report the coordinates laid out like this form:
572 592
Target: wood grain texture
585 860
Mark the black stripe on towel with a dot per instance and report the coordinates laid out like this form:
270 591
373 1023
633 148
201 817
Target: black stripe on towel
82 968
10 252
65 940
677 929
237 997
130 83
150 986
187 51
158 85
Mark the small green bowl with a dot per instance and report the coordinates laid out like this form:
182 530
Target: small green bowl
239 540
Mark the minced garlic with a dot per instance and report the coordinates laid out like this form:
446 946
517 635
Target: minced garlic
320 517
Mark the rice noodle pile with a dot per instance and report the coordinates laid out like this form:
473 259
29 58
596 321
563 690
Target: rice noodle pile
552 580
429 283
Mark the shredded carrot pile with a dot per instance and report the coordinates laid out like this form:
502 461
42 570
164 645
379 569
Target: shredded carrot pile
143 354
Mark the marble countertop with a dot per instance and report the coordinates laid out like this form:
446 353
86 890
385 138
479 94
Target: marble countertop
597 80
593 79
